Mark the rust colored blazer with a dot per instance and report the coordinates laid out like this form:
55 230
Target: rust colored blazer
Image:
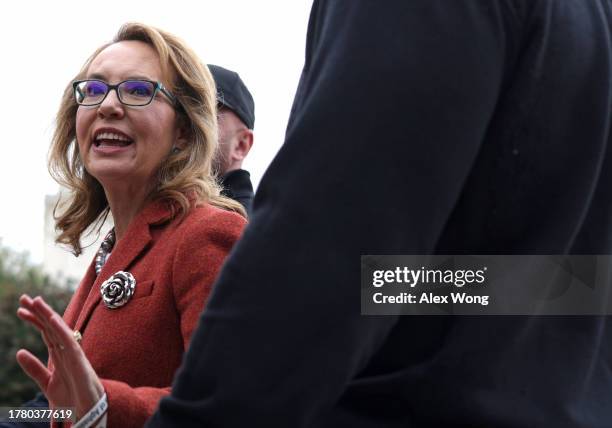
137 348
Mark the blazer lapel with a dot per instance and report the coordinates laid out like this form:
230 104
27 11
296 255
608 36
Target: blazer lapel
135 241
80 296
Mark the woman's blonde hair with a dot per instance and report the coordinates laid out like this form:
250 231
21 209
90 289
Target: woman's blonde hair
184 177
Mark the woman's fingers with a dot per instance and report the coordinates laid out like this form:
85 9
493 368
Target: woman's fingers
30 313
66 353
27 304
25 300
43 313
35 319
41 305
59 330
70 358
69 369
34 368
58 379
71 363
65 336
76 369
28 316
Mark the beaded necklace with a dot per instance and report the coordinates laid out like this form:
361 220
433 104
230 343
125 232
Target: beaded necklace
105 250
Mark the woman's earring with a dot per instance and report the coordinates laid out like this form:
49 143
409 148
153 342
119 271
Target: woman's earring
175 150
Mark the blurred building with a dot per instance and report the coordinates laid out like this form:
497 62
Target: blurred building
58 261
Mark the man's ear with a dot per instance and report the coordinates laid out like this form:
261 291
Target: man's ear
243 145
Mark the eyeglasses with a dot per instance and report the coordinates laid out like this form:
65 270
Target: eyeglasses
92 92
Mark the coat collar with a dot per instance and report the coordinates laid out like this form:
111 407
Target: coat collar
136 240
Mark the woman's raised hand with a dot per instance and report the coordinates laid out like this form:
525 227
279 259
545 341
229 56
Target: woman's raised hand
69 380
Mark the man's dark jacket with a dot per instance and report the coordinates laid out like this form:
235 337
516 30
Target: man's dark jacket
422 126
237 185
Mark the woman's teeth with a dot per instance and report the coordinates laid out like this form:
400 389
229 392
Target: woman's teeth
111 139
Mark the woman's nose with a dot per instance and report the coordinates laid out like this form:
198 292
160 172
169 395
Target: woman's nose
111 106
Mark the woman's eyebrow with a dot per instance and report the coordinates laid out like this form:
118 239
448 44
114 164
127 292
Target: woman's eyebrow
96 76
101 76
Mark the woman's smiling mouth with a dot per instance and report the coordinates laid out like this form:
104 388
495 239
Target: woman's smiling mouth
110 138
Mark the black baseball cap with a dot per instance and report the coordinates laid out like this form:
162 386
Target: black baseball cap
233 94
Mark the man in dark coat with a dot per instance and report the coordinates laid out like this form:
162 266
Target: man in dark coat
419 127
236 122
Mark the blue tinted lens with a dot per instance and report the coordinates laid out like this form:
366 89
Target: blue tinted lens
90 92
137 91
94 88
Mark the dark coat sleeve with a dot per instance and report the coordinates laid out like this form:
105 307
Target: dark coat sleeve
39 401
393 103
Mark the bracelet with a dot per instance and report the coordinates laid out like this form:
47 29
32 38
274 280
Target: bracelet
95 413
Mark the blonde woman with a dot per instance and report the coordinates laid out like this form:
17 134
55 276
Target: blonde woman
135 137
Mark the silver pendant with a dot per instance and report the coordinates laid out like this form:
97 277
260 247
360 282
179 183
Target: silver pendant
118 289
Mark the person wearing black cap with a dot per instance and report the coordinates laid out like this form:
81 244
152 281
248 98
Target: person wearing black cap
236 121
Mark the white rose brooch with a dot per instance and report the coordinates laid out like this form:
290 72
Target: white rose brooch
118 289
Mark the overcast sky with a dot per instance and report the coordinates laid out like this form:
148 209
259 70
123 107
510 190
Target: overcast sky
45 43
